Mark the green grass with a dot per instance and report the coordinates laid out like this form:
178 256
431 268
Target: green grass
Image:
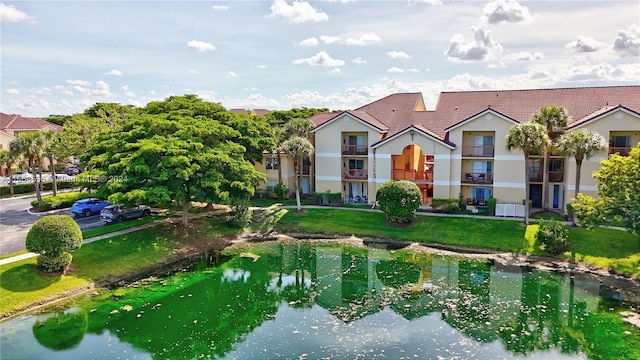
548 215
606 248
286 202
120 226
13 254
22 285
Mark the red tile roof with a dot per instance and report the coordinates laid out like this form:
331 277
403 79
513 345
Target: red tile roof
20 123
397 112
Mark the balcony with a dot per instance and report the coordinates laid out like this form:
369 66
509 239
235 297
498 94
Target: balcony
477 178
478 151
622 150
556 176
535 175
355 150
413 175
355 174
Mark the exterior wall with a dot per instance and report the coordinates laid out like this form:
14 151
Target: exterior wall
508 168
288 172
384 163
329 163
618 122
5 140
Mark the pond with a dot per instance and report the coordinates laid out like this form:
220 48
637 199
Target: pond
318 300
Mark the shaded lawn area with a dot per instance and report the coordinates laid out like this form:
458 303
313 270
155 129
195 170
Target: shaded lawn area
105 229
21 284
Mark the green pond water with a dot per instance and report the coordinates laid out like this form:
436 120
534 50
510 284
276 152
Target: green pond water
311 300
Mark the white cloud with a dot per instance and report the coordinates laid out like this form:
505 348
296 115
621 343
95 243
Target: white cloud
627 43
482 47
200 45
114 72
527 56
231 75
262 66
78 82
12 91
9 13
398 55
505 11
299 12
312 41
498 65
335 71
220 7
363 40
43 91
320 59
102 89
191 71
394 70
125 90
330 39
413 70
431 2
584 45
359 61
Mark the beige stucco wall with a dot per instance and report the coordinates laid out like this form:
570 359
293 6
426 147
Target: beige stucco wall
288 171
328 162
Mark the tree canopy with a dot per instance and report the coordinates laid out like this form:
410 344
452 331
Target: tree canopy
618 182
176 151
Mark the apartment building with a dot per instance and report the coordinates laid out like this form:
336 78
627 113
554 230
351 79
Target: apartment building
457 149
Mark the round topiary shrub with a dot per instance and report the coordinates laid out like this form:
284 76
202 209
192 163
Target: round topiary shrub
50 236
399 200
553 236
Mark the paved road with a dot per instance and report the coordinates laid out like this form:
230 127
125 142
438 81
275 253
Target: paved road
15 222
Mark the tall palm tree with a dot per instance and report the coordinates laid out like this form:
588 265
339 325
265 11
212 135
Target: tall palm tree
302 149
530 138
581 144
8 159
50 150
31 146
552 117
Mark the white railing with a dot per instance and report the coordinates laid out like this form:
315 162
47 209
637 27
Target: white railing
510 210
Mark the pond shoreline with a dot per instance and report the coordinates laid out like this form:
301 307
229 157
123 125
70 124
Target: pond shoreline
189 255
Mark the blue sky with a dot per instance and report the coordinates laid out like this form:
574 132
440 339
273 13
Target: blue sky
62 57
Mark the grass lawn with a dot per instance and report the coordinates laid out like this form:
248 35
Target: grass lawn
606 248
23 285
120 226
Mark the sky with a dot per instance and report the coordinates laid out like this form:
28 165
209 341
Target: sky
61 57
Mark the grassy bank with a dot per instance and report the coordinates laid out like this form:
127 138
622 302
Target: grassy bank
22 285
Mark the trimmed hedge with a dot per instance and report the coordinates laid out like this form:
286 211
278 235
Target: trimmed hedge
60 201
399 200
327 198
30 188
50 236
444 204
553 236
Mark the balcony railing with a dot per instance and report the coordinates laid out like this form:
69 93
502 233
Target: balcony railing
355 174
355 150
554 176
622 150
478 151
477 178
413 175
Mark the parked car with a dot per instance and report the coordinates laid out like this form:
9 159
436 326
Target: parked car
119 213
72 170
22 178
89 206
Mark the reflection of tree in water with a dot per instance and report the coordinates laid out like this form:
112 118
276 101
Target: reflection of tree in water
63 331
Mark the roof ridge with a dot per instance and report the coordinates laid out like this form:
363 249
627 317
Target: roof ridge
540 89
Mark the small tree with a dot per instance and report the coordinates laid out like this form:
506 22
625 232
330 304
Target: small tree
553 236
399 200
50 236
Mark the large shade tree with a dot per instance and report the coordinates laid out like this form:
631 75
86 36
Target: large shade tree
581 144
530 138
553 118
176 151
618 182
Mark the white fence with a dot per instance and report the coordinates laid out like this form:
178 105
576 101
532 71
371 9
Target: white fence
510 210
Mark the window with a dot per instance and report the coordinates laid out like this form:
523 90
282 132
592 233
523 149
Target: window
356 164
271 185
272 163
483 145
620 141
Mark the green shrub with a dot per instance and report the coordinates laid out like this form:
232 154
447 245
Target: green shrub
240 214
281 191
60 201
29 188
50 236
399 200
54 263
491 205
327 198
445 204
553 236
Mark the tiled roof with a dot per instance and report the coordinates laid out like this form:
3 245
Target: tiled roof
17 122
261 112
398 111
603 111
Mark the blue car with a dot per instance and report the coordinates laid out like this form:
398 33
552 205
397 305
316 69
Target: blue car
88 207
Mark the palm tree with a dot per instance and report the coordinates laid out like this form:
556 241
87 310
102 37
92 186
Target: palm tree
530 138
50 150
302 149
8 159
581 144
552 118
31 146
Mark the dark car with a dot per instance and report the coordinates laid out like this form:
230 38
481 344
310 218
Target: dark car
119 213
89 206
72 170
